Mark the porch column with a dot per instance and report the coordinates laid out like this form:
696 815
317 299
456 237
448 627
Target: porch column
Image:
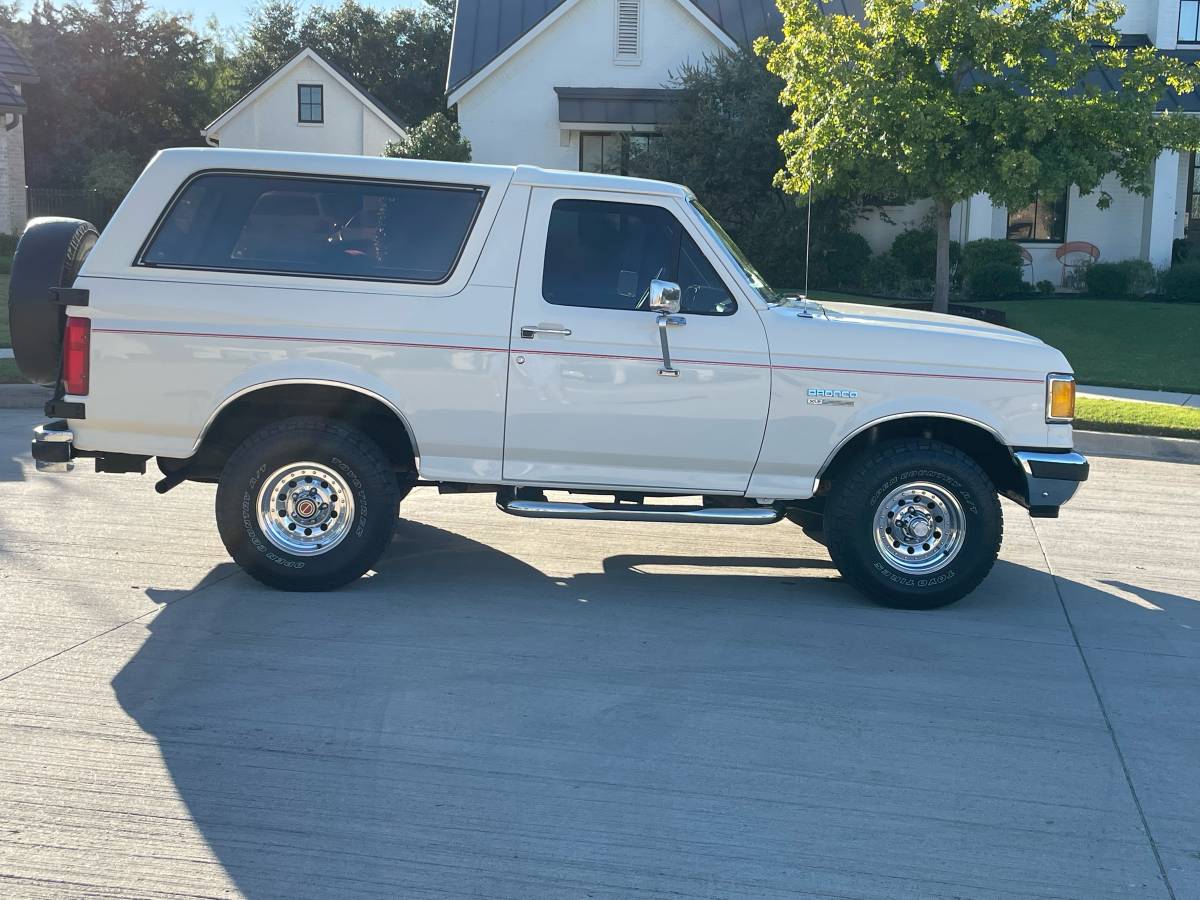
1158 231
979 218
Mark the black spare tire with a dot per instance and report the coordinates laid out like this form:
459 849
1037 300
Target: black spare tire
49 255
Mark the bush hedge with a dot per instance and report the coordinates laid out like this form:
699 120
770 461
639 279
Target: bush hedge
916 252
990 252
1128 278
1181 283
994 281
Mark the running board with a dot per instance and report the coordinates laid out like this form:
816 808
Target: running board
630 512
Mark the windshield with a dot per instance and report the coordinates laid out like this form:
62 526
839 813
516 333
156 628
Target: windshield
739 258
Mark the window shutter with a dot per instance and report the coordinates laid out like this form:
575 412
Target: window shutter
629 30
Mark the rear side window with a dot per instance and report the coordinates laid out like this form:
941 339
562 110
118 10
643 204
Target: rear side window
329 228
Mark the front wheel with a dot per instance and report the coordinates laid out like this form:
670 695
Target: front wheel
914 524
307 504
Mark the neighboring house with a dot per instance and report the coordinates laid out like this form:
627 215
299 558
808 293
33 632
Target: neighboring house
310 105
575 84
15 71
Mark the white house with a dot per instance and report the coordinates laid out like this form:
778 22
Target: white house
15 71
573 84
310 105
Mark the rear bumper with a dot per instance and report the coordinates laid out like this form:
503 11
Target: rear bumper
53 447
1051 479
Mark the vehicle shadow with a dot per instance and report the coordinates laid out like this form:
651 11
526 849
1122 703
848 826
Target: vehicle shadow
465 723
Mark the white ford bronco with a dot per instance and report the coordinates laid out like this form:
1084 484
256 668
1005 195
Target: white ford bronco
319 334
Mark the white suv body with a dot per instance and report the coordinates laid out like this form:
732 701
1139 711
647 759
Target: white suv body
514 325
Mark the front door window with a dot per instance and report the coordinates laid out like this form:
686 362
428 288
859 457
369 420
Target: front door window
612 153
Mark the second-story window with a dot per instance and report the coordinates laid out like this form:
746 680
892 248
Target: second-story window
312 103
1189 21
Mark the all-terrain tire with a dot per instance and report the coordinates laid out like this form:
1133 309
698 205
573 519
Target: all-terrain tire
49 255
346 454
852 513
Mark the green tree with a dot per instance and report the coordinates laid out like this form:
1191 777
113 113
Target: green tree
721 141
949 98
118 83
399 55
438 137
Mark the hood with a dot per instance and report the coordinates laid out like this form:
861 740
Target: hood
889 337
922 321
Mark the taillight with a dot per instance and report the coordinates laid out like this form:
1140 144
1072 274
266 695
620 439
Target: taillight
77 356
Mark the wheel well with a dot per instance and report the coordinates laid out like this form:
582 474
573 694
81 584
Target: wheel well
974 440
250 412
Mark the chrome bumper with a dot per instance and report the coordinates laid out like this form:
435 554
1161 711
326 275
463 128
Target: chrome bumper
53 447
1051 479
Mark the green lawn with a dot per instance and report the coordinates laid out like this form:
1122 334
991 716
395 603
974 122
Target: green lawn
1129 417
10 374
1117 343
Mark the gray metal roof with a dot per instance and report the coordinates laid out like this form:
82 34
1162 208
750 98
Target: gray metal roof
14 65
625 106
10 100
484 29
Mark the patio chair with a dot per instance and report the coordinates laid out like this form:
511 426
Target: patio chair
1075 256
1027 263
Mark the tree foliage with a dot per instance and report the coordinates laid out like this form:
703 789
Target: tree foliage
722 142
949 98
116 79
399 54
438 137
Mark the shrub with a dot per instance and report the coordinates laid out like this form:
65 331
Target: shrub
438 137
990 251
883 274
1046 288
1182 283
1128 278
993 281
8 244
916 251
839 259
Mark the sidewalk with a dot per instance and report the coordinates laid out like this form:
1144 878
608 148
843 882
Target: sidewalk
1111 393
5 353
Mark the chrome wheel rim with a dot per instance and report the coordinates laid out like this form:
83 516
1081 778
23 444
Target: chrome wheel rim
919 528
305 509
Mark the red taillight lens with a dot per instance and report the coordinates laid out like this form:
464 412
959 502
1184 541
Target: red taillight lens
77 356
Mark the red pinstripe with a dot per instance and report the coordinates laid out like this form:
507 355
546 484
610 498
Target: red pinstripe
530 352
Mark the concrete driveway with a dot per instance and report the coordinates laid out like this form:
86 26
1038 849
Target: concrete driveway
548 709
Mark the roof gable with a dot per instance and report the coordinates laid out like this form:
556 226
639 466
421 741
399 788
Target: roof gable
484 30
344 78
14 65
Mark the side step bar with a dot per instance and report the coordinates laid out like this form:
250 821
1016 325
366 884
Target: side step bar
629 512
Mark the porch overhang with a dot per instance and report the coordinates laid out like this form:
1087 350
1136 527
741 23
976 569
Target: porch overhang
636 108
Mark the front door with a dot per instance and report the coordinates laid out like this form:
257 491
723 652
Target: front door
587 404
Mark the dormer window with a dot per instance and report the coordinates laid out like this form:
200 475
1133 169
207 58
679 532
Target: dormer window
311 99
1189 21
627 48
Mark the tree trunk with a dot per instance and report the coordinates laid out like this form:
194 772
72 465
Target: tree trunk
941 281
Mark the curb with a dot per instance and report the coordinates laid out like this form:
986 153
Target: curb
23 396
1137 446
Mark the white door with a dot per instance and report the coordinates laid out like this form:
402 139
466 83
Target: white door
587 404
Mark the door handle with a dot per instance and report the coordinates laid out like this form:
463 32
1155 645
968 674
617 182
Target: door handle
531 331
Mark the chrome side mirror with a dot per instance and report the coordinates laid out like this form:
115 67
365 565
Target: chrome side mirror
665 297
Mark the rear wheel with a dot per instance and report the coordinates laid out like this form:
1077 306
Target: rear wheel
914 524
307 504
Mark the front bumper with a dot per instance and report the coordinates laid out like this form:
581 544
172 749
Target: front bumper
53 447
1051 479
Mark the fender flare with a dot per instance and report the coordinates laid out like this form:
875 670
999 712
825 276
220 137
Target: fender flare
323 382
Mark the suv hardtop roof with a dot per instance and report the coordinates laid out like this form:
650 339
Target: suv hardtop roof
198 159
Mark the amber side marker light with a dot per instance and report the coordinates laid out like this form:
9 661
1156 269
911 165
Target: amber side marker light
1060 398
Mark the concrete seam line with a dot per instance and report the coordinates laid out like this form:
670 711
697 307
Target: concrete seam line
1112 735
95 637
